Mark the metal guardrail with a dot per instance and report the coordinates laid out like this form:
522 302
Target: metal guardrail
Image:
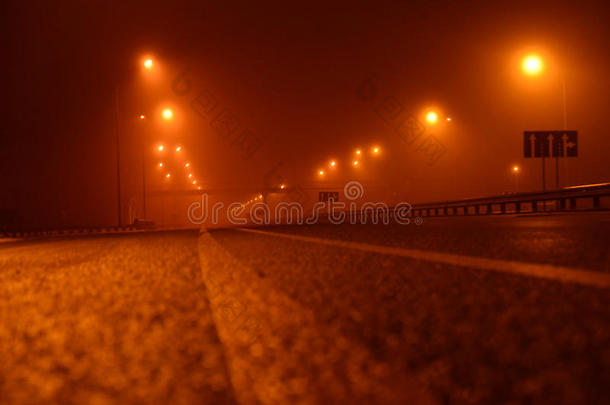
564 199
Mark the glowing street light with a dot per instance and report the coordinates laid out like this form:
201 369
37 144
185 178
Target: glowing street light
190 175
282 186
142 116
355 163
160 148
448 119
187 164
321 173
516 170
333 163
161 164
432 117
376 150
178 149
532 65
167 176
167 114
358 151
148 63
194 181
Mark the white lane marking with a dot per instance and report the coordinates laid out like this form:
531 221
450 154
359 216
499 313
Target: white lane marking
565 274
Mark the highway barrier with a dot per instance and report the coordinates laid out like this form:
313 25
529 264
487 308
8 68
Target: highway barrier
594 197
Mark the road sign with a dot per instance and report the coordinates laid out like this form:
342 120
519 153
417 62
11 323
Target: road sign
550 144
325 196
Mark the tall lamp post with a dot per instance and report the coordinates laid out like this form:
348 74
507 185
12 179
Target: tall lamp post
118 152
533 65
147 64
516 170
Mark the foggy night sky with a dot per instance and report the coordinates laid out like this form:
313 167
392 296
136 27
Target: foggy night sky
290 72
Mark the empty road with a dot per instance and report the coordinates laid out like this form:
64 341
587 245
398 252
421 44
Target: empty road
510 309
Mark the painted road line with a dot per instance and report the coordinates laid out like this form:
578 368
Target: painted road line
546 271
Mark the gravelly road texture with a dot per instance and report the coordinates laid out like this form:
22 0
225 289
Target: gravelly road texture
234 316
108 320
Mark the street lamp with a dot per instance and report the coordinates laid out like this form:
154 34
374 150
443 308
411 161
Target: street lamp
148 63
516 170
432 117
533 65
167 114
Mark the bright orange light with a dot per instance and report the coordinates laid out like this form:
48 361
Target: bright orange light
168 114
148 63
198 187
358 151
260 196
194 181
161 164
160 148
142 116
282 186
167 176
321 172
190 175
516 169
187 164
355 163
179 148
375 149
432 117
448 119
333 163
532 65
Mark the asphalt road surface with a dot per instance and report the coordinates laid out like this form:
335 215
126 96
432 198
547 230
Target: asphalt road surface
502 310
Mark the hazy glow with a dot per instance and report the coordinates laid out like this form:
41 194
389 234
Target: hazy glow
448 119
142 116
148 63
532 64
282 186
167 176
168 114
333 163
321 172
160 148
187 164
194 181
190 175
432 117
355 163
358 151
161 164
516 169
179 148
375 149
